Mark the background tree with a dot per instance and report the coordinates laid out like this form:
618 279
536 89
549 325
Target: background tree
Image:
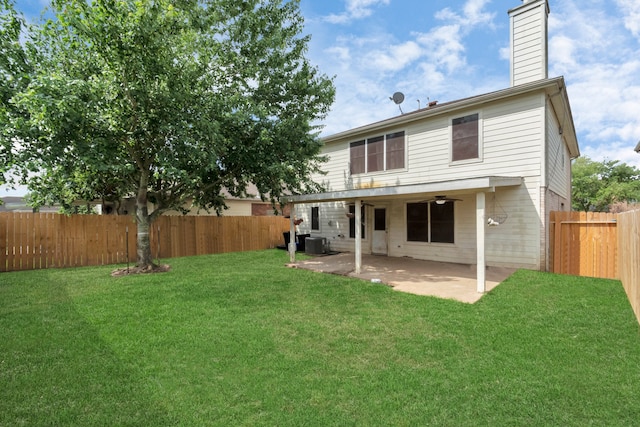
598 185
170 102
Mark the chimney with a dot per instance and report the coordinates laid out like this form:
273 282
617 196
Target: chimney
529 56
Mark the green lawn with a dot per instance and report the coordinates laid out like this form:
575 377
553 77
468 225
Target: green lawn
238 339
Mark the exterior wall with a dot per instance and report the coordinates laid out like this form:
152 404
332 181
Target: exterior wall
512 142
558 159
236 208
529 42
515 243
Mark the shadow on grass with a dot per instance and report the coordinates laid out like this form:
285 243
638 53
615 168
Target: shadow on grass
56 370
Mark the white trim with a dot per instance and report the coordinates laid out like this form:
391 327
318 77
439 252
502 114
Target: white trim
480 157
384 169
447 108
486 183
480 243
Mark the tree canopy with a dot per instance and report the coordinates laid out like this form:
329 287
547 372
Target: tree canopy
168 101
13 67
598 185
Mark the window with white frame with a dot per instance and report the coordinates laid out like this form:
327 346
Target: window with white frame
315 218
430 222
377 154
465 140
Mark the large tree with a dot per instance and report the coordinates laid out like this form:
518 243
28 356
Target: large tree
598 185
169 101
13 68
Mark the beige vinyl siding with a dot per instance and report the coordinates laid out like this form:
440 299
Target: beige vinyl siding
334 225
235 208
529 45
513 244
516 243
428 151
512 138
558 169
336 177
461 251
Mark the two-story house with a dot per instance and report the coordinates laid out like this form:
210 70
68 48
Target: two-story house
469 181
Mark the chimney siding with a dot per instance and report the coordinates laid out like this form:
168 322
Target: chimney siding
529 55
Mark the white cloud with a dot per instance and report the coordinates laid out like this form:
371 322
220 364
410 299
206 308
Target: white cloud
425 65
396 57
444 46
342 53
472 15
631 11
562 50
355 9
600 61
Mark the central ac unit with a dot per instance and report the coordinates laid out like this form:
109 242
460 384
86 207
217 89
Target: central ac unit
315 245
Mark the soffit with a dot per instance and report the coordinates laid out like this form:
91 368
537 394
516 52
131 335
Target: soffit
488 183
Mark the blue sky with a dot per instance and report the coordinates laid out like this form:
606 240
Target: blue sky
450 49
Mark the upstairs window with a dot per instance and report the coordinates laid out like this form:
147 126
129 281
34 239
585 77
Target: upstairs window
375 154
465 143
378 154
395 150
357 157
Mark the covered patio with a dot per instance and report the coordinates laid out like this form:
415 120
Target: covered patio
419 277
358 196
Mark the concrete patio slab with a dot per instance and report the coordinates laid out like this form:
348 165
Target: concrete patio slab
419 277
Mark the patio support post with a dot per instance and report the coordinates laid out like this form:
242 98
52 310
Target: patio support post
480 232
358 261
292 235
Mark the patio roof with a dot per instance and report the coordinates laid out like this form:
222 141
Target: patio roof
479 186
487 183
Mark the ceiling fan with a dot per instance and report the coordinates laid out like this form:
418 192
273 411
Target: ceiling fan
361 204
441 200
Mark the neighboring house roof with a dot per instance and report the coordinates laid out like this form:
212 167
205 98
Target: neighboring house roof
18 204
555 88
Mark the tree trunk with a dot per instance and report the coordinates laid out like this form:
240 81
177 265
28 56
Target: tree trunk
145 260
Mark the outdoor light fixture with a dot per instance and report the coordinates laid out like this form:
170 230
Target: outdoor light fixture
441 200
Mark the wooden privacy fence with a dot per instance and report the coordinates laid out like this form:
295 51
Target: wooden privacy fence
629 253
45 240
584 244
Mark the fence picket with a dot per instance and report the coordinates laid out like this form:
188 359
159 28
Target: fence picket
35 241
629 257
584 244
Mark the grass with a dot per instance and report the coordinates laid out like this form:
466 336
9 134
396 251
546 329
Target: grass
237 339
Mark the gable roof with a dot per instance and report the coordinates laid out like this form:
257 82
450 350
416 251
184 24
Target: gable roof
555 89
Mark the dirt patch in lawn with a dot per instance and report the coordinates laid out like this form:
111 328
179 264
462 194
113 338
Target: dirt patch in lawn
162 268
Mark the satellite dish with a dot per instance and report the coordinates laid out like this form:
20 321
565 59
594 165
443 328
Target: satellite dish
397 97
